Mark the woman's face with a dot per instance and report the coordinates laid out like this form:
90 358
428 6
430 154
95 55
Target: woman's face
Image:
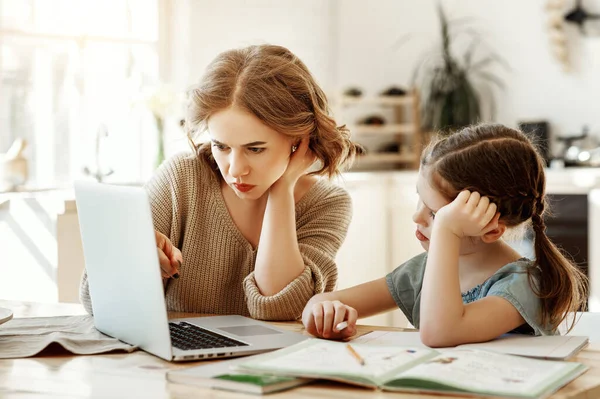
251 156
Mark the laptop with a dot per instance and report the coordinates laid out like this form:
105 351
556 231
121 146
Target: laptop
127 291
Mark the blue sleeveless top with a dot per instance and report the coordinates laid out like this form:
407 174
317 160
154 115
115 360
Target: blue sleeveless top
510 282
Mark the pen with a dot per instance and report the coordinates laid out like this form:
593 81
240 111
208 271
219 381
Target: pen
355 355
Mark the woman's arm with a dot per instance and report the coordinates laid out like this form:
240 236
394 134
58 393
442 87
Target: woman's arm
320 228
278 260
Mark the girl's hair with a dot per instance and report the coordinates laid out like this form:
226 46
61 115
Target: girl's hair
502 164
271 83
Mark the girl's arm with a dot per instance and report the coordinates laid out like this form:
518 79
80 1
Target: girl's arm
445 320
325 311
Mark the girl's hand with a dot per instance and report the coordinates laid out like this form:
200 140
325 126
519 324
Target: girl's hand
169 256
300 161
323 317
469 215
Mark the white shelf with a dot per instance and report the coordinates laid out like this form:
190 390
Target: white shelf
379 100
390 128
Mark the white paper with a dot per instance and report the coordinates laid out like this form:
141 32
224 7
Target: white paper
24 337
554 347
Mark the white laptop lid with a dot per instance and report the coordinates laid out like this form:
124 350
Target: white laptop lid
122 265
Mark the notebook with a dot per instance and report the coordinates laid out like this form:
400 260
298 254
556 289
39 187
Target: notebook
419 369
221 375
554 347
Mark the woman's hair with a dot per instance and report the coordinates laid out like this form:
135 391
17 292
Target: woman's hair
502 164
271 83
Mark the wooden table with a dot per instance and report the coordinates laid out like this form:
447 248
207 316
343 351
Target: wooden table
58 374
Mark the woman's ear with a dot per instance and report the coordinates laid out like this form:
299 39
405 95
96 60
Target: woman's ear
495 234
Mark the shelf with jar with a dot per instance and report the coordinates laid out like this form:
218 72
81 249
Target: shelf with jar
387 125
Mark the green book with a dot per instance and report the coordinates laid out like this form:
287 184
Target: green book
418 369
222 375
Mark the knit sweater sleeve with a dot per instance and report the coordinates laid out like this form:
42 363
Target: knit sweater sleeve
164 194
321 229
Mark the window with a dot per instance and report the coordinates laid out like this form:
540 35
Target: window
70 76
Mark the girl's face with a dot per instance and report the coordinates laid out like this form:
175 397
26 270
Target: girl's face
430 201
251 156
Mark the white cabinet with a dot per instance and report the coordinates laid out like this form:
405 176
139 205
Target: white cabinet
39 236
594 254
381 235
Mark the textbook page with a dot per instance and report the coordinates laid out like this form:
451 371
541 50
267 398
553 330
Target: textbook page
553 347
465 370
318 358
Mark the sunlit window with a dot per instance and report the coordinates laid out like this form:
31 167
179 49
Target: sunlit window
70 74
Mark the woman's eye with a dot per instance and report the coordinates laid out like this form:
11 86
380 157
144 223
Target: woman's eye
219 147
256 150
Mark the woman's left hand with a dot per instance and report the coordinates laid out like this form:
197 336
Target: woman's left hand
300 161
469 215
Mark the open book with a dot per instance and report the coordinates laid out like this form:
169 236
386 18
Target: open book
393 368
552 347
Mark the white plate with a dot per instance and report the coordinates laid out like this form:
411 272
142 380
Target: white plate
5 315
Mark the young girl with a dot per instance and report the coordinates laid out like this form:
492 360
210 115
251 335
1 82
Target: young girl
469 286
241 226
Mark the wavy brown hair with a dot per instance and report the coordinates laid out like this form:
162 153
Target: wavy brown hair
502 164
273 84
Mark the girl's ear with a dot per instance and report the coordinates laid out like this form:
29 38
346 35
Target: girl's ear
495 234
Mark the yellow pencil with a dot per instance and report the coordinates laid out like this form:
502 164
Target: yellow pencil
355 354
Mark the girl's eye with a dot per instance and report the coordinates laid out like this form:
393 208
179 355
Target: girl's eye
432 214
256 150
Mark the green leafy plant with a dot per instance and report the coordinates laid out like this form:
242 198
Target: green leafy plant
451 87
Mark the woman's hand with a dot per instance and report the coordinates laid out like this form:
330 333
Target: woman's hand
469 215
169 256
300 161
320 319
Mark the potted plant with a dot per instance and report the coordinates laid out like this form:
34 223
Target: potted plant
451 86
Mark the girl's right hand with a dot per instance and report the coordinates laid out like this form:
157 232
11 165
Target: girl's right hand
469 215
169 256
323 317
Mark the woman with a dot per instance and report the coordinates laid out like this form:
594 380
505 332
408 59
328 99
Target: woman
241 226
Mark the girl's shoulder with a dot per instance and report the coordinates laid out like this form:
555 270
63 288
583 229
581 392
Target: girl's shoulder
514 274
516 282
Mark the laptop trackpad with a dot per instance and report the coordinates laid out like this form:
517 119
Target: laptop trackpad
246 331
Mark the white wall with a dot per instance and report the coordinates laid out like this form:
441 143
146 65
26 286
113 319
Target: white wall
201 29
351 43
307 28
536 87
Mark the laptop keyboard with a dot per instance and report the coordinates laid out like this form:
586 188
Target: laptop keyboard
188 336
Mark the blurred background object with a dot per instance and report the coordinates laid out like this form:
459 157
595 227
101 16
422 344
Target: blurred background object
454 82
13 166
98 172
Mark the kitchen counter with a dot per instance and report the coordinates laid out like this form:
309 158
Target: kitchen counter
558 181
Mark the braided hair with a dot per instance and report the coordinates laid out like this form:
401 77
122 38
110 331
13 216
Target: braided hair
502 164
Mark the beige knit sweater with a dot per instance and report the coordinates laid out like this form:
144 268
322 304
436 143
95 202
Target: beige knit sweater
217 274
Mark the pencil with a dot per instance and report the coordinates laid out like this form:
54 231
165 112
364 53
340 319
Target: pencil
355 354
